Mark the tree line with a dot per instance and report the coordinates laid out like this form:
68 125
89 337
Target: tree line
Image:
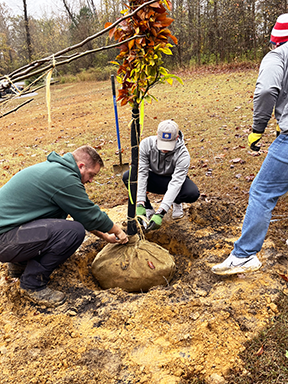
208 32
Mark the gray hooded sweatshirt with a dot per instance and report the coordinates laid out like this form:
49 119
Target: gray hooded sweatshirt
175 164
271 90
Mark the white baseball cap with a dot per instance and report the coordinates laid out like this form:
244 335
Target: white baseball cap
167 135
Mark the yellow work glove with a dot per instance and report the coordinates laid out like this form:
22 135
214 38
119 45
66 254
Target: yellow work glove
253 139
278 130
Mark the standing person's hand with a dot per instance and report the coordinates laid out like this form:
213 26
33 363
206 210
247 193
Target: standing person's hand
253 139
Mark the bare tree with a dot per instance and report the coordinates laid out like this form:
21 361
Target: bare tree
28 38
70 13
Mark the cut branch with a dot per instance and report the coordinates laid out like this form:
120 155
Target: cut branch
72 58
15 109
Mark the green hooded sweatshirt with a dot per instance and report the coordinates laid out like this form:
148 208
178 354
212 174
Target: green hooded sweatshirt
52 189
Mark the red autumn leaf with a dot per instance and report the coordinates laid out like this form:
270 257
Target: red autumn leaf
151 265
284 277
111 32
260 351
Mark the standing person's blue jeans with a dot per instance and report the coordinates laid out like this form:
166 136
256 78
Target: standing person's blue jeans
270 183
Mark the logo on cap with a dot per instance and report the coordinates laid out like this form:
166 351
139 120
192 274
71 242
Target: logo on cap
166 135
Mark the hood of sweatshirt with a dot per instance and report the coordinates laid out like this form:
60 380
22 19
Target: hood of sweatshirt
67 160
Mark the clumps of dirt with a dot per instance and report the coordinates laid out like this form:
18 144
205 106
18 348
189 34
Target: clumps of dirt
215 212
196 326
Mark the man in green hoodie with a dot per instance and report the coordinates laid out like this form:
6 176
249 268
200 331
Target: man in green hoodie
35 237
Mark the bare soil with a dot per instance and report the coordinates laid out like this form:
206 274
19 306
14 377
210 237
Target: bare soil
196 326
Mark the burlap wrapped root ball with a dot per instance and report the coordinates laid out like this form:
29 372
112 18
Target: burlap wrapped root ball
135 267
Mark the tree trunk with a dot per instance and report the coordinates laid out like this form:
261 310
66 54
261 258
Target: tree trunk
135 140
70 13
198 32
28 38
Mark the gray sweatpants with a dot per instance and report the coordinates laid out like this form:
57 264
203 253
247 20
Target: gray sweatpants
43 244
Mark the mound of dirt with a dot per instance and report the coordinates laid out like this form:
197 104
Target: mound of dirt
195 326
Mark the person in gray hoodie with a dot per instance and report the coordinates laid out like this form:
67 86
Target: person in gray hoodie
35 237
271 181
163 169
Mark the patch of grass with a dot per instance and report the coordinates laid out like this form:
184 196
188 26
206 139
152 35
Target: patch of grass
265 360
92 74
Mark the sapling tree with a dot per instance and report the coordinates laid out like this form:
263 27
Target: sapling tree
140 67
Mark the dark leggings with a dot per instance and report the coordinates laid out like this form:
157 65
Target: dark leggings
159 184
44 244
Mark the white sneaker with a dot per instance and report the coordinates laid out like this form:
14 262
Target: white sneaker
150 213
177 211
234 264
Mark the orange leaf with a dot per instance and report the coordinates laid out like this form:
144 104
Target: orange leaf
130 44
107 24
153 32
175 40
151 265
260 351
111 33
167 21
284 277
155 5
124 102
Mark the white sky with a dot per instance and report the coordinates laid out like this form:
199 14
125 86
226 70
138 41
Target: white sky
35 8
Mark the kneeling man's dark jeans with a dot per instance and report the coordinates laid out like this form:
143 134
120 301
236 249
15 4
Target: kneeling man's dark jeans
158 184
44 244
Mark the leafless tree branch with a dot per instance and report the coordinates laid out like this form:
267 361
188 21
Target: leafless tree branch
15 109
72 58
